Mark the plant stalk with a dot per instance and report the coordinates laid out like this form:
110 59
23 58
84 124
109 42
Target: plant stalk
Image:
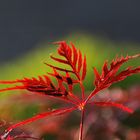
81 124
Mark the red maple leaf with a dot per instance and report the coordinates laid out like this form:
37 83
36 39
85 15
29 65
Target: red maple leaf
72 57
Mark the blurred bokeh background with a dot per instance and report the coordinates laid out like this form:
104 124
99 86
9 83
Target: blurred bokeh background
101 29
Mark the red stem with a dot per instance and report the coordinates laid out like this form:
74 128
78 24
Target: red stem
39 116
82 89
91 95
12 88
81 124
113 104
74 97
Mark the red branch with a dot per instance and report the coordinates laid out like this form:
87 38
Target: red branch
63 90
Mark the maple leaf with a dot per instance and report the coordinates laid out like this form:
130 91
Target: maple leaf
110 75
63 90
